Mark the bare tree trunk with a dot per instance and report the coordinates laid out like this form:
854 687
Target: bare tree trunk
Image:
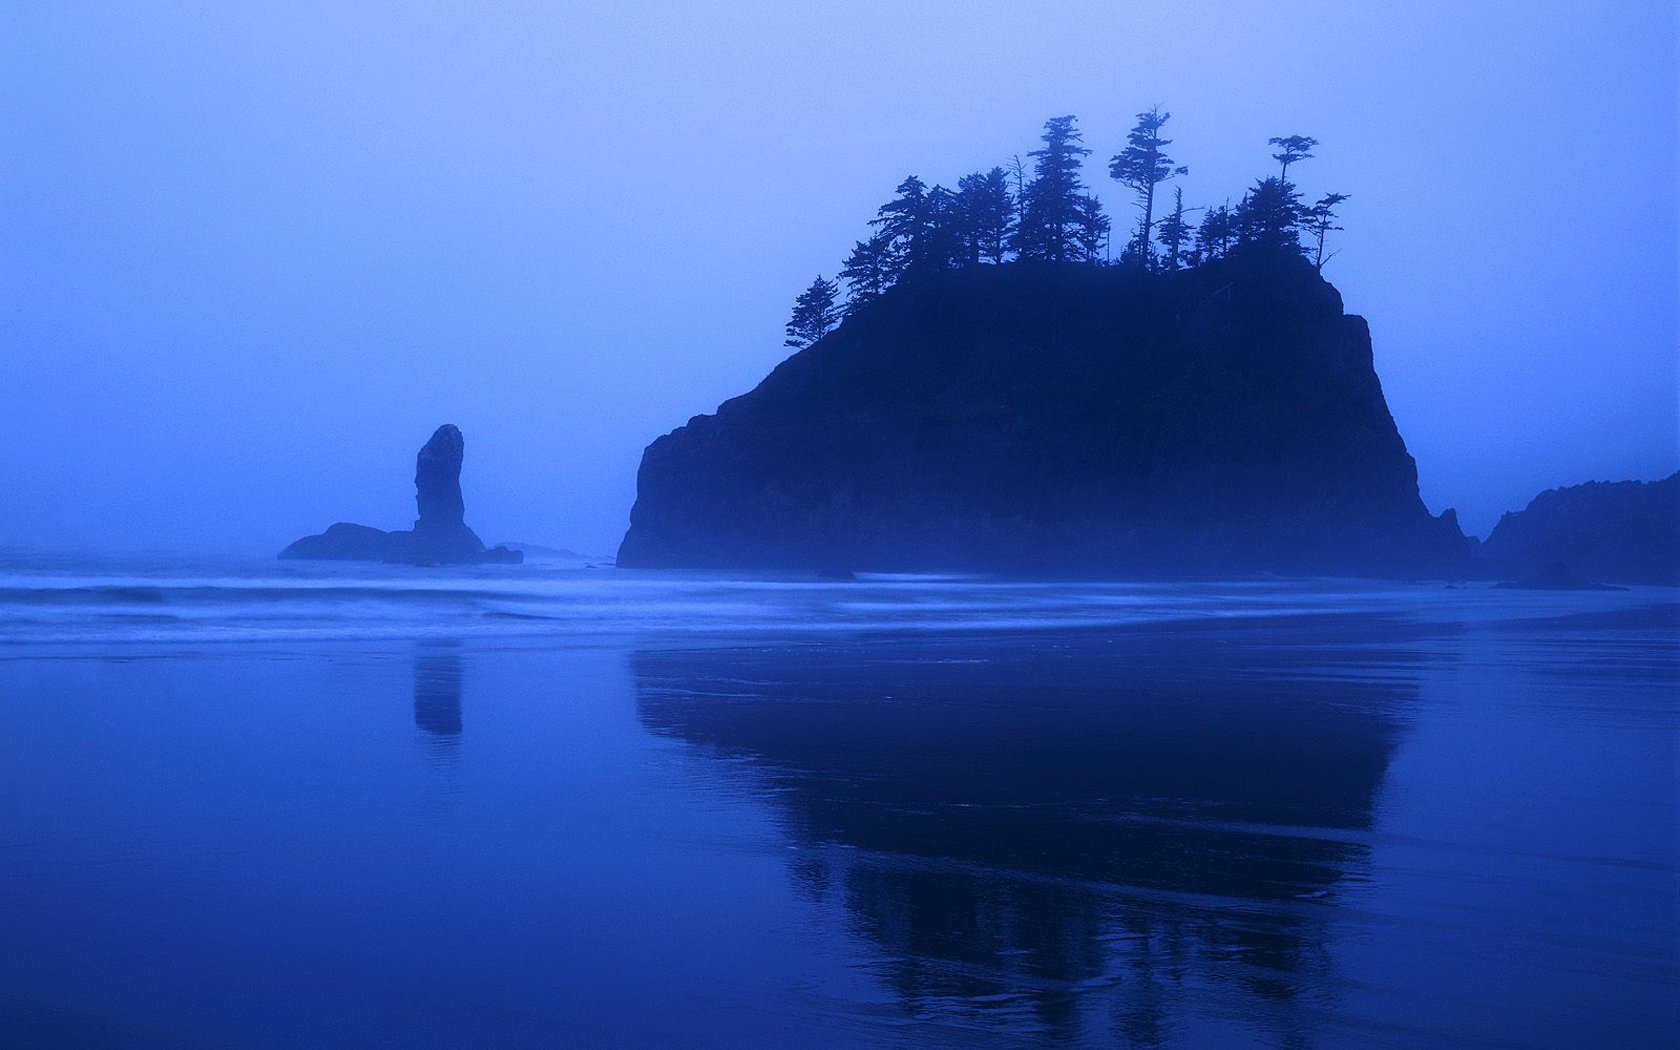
1148 224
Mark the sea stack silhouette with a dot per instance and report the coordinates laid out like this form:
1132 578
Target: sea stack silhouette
1059 419
440 535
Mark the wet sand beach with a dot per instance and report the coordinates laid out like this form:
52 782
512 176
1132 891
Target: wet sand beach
1440 819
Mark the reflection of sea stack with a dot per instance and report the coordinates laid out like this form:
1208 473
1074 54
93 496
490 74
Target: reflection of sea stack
437 690
1029 824
440 534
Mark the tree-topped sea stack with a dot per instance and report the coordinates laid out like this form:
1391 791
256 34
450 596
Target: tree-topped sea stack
440 535
1202 407
1057 419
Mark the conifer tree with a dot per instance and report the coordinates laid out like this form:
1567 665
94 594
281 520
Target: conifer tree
1175 235
869 271
1268 218
1050 208
1133 254
814 314
1093 229
1018 175
906 221
1215 234
1319 219
1143 165
1290 150
943 232
987 215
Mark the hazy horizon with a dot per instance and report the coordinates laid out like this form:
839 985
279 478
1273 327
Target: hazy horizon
253 257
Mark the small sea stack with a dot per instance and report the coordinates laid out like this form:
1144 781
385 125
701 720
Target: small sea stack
440 535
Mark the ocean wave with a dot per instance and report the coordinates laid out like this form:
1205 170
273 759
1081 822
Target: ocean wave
257 601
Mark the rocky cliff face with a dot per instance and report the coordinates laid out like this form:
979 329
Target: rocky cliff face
1057 419
1614 532
440 534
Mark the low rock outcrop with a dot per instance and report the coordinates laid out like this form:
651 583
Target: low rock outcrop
343 542
440 535
1058 419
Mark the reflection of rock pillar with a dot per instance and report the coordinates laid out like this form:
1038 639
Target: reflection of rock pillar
437 690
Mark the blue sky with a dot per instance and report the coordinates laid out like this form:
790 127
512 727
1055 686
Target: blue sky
252 254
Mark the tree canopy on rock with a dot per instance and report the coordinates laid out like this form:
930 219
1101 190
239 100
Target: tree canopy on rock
1044 213
814 313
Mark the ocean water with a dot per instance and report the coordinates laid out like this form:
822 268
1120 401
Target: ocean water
258 804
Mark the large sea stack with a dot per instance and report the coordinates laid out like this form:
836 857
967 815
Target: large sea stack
1058 419
440 534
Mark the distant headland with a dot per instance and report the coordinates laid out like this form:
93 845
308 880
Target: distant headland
1602 531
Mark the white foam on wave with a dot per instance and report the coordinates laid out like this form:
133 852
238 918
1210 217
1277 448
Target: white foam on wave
187 602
